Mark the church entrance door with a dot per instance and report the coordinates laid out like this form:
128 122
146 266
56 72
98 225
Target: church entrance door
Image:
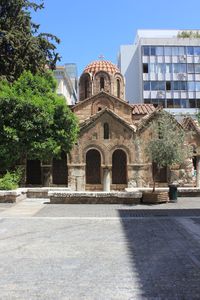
93 167
119 167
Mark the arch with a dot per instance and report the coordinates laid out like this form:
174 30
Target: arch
100 104
102 80
119 167
86 85
96 145
33 172
60 170
112 148
118 88
106 133
93 167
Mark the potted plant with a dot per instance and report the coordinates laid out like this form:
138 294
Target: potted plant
165 148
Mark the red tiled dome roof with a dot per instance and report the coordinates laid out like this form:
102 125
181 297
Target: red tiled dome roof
101 65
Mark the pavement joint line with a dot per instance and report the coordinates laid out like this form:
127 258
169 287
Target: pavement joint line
97 218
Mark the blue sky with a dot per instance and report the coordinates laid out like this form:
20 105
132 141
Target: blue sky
88 28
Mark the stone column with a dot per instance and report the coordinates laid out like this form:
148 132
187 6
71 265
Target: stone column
198 172
76 177
106 179
46 175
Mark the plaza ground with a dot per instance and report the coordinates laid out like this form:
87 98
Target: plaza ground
100 251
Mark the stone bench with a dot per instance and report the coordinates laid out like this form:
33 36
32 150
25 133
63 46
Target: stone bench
72 197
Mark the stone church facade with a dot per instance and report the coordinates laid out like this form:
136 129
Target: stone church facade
110 152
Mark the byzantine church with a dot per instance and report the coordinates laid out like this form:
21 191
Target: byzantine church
110 151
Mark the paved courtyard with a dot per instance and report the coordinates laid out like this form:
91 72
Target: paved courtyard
100 251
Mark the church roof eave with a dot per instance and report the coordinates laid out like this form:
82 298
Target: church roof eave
99 94
141 125
189 123
93 118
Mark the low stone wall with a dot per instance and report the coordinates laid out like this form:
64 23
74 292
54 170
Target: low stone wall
42 192
37 193
182 191
12 196
189 192
94 197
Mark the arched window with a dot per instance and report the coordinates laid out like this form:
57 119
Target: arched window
105 131
101 83
118 88
86 84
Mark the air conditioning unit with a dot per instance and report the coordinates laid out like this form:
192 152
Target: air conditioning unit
160 94
181 76
182 58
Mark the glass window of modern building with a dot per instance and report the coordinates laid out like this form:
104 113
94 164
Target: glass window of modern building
165 65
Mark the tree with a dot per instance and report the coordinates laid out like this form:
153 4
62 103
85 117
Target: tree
167 144
35 122
189 34
22 47
198 118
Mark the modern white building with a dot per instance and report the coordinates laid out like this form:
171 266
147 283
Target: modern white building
163 67
67 82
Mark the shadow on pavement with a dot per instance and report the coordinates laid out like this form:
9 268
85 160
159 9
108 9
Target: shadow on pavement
165 258
186 212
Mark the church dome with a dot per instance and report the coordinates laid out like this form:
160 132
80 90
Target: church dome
101 65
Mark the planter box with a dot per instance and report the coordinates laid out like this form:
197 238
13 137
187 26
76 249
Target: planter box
155 197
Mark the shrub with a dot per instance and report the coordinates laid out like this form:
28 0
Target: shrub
10 181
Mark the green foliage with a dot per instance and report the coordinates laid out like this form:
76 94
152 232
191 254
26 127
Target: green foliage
198 118
189 34
10 181
35 122
166 146
22 46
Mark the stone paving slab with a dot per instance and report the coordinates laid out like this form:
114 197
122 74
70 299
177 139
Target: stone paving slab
41 208
100 252
98 260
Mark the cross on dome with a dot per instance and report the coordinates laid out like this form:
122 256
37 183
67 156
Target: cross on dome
101 57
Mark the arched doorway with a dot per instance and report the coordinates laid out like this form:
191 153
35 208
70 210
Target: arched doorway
60 170
93 167
33 172
119 167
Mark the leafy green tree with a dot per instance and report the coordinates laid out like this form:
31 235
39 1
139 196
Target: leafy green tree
167 144
198 118
35 122
22 47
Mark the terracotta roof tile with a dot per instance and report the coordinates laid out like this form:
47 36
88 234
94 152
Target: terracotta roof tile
143 109
190 123
101 65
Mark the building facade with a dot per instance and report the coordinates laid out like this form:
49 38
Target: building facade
66 77
163 68
110 153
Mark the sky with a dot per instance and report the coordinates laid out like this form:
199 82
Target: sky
90 28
